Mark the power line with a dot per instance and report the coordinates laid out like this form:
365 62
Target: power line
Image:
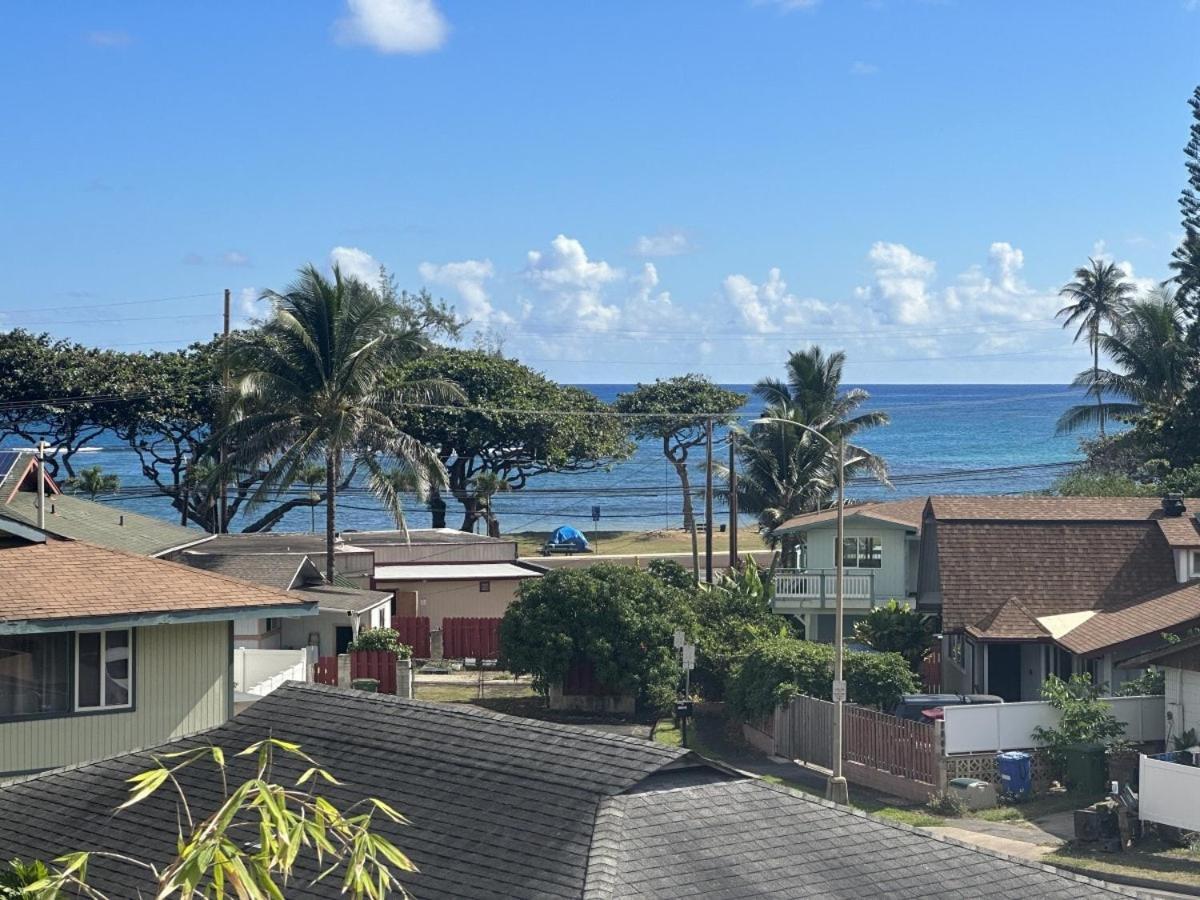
109 304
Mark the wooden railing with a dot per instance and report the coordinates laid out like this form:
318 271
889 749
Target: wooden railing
821 584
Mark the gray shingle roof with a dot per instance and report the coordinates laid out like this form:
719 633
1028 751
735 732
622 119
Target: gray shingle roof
338 597
506 807
280 570
750 839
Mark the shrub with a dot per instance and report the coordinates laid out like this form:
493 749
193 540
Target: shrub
1152 681
946 805
897 628
381 639
619 619
778 668
1084 718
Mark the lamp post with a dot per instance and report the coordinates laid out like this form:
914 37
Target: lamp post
836 788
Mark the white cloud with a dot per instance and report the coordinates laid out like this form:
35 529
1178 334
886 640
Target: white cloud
235 258
1101 252
864 68
769 306
468 278
664 243
250 307
393 26
111 39
355 263
574 283
901 280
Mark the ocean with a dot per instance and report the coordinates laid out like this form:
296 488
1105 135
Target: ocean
968 438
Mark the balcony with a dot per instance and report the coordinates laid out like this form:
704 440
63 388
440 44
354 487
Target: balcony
805 590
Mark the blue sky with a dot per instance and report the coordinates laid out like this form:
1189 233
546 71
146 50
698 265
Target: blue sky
615 191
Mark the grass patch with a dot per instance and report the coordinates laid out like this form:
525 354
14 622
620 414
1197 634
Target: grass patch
529 543
1000 814
916 816
468 692
1035 808
1149 858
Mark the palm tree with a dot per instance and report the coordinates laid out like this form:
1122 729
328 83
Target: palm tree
315 383
92 481
786 471
1149 350
1099 294
311 476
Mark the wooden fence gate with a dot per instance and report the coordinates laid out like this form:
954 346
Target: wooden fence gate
377 664
326 670
889 744
804 731
470 636
413 631
931 671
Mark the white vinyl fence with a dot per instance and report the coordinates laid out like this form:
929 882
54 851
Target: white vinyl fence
984 727
1169 793
259 672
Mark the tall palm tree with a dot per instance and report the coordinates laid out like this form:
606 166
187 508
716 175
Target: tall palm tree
785 471
310 476
1099 295
314 383
487 485
1150 357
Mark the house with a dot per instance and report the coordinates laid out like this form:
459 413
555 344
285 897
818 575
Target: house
1180 663
1024 587
353 565
506 807
440 572
880 552
74 518
341 610
103 651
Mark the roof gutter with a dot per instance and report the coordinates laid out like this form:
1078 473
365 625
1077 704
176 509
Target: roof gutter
139 620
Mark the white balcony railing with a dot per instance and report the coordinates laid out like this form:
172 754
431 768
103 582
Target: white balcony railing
821 585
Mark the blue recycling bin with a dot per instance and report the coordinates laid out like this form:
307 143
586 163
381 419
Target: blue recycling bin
1016 774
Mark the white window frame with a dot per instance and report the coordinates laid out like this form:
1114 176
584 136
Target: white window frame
1194 564
858 556
104 633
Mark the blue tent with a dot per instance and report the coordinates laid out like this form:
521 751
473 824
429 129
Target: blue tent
566 536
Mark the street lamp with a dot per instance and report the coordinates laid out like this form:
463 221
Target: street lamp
836 788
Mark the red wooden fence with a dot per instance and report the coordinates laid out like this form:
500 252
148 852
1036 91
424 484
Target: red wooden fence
894 745
379 664
325 671
470 636
931 672
414 631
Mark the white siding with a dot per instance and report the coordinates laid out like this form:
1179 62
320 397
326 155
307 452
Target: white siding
1183 700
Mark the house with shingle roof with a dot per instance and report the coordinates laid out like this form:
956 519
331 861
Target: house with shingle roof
103 651
499 806
1025 587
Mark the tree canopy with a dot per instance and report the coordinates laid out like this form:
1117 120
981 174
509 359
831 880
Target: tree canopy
676 411
515 423
618 619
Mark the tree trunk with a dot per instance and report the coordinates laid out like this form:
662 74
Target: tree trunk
437 508
680 464
1096 380
330 511
471 512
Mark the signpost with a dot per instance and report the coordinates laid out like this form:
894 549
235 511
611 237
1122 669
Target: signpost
687 659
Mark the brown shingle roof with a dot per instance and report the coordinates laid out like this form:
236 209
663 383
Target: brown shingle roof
71 579
1011 621
1049 567
1161 611
906 512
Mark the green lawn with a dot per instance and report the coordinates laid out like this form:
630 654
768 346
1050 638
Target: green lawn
464 692
644 542
1035 808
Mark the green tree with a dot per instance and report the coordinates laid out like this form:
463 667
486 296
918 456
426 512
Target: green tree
387 639
515 423
675 411
1085 482
92 481
1099 296
312 476
311 386
1185 260
779 668
487 485
896 627
618 619
1084 718
216 856
1151 358
783 470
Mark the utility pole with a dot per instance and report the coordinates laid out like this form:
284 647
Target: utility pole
708 501
221 501
41 476
695 554
837 789
183 491
734 561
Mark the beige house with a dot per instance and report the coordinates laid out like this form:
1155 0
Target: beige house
440 572
103 652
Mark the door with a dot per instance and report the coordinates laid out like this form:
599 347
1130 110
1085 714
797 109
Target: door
1004 671
343 635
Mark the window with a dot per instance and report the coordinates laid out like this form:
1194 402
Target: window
35 675
1195 561
103 669
861 553
270 625
485 587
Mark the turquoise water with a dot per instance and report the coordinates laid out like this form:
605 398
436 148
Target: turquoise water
940 436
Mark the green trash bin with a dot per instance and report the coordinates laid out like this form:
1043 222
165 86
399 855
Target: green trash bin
1086 768
370 685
